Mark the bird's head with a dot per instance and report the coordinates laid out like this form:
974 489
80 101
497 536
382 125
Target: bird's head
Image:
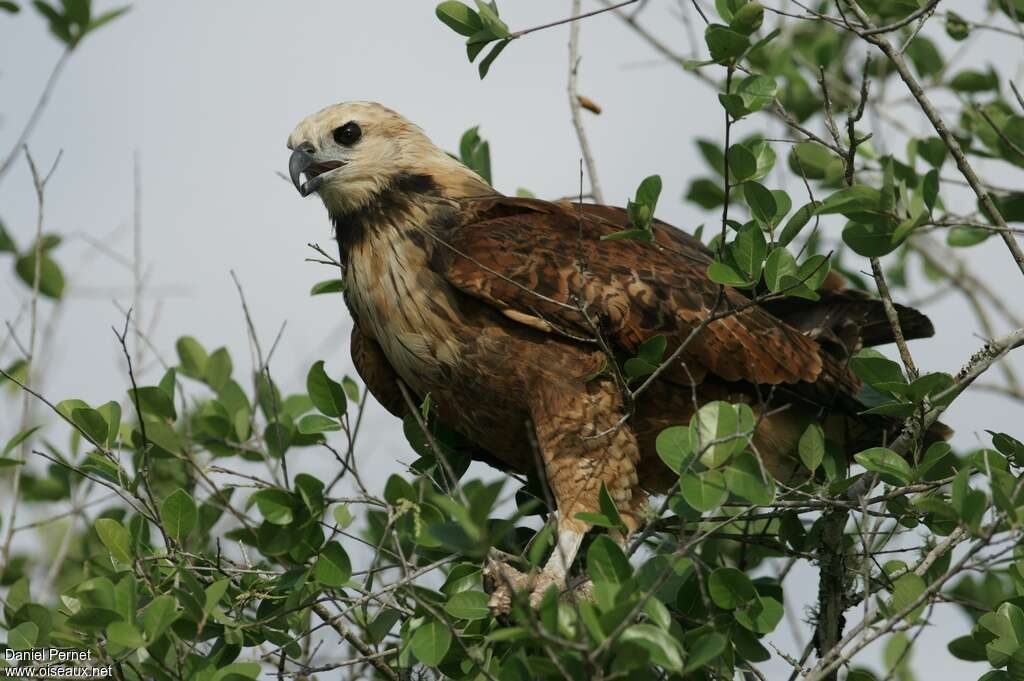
351 153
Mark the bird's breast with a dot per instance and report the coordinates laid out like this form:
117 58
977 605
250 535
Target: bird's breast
405 306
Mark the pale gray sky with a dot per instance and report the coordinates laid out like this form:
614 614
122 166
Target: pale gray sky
207 91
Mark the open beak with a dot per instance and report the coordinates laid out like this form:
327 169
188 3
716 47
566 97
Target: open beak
301 162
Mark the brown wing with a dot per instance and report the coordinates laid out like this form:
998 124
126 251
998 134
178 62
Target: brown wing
380 377
540 262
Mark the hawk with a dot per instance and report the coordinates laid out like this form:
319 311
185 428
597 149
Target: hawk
505 311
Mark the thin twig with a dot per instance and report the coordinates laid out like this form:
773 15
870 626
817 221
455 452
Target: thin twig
574 106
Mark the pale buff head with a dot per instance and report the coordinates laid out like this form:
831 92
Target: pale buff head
352 152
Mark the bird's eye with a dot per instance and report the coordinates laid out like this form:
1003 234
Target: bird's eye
348 134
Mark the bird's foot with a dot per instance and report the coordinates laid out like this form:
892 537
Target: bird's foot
506 581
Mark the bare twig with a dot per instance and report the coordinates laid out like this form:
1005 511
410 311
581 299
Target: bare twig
36 114
576 16
574 105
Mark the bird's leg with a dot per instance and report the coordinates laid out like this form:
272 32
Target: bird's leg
584 446
508 581
556 569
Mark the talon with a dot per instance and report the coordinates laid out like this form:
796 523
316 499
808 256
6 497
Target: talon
503 581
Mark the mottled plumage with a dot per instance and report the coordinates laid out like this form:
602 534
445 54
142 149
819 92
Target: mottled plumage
501 309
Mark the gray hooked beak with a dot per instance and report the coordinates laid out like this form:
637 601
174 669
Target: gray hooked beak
302 161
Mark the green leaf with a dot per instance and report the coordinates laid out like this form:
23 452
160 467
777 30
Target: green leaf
218 370
796 223
105 18
18 439
704 491
709 428
179 515
485 64
125 635
748 250
728 275
641 208
111 413
764 155
724 43
468 605
606 563
907 589
327 286
812 447
965 237
649 356
664 650
783 204
852 201
51 279
430 643
489 16
608 508
747 18
275 506
333 567
7 244
729 588
343 516
116 538
930 189
673 447
756 92
779 265
970 81
889 465
327 394
967 648
213 595
23 637
925 56
475 153
192 357
92 424
459 17
763 206
957 29
158 617
762 616
810 275
712 154
933 150
815 161
154 402
745 478
742 163
875 369
706 194
1015 665
702 651
311 424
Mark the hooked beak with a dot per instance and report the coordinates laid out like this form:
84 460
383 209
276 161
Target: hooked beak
316 172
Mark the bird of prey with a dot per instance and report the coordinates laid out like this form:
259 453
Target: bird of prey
505 311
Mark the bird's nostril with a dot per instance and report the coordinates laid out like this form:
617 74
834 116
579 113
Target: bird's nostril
307 147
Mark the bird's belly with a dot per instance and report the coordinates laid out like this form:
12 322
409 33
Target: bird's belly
419 341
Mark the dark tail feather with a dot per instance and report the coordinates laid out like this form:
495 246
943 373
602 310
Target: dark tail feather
877 330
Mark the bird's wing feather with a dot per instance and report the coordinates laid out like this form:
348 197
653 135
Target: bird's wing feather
380 377
541 262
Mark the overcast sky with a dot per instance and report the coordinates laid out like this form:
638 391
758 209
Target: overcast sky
207 92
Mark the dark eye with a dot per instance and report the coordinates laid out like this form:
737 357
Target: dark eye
348 134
